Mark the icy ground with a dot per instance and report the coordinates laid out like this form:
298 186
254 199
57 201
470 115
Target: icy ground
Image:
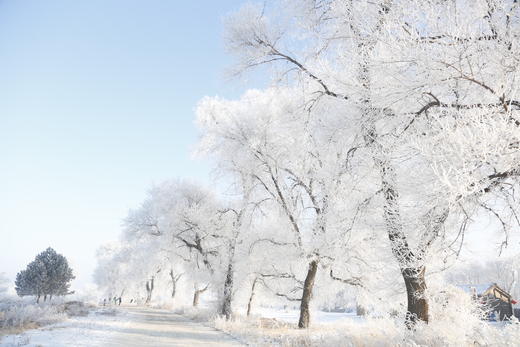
130 326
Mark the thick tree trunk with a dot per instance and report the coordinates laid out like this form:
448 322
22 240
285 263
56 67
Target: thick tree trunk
250 302
409 263
225 309
415 292
308 285
413 276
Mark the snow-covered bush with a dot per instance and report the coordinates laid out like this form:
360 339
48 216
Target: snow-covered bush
18 314
23 313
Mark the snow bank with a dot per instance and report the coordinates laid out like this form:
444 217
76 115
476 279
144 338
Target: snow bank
369 332
455 320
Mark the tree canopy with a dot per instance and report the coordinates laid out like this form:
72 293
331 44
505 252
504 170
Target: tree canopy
47 275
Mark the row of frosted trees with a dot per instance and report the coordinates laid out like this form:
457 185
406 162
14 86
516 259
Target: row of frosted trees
389 130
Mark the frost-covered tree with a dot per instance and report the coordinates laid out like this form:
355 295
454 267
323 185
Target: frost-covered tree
295 163
109 273
48 275
185 223
429 90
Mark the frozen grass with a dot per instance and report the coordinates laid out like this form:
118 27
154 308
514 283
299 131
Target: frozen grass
368 332
455 320
95 329
17 315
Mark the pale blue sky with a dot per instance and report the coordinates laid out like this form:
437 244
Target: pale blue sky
97 103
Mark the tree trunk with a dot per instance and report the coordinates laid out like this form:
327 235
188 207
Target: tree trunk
307 295
149 290
228 293
415 292
196 298
174 282
174 289
45 298
196 295
38 299
250 302
360 310
413 274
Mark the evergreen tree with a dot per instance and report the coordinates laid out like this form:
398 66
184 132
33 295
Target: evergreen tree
49 274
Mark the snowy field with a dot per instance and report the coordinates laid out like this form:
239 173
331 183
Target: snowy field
139 326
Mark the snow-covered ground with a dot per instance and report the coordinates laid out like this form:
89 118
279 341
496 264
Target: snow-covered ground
292 315
130 326
336 329
139 326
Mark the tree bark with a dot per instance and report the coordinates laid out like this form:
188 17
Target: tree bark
38 299
228 293
250 302
415 292
307 295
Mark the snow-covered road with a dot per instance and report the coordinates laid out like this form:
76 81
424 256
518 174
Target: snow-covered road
132 326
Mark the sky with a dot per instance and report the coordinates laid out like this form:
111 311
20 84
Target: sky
97 103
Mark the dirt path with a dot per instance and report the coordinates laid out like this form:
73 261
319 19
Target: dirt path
132 326
162 328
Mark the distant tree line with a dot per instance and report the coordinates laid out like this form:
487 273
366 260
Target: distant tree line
47 275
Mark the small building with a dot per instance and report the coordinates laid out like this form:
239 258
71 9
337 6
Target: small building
498 302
